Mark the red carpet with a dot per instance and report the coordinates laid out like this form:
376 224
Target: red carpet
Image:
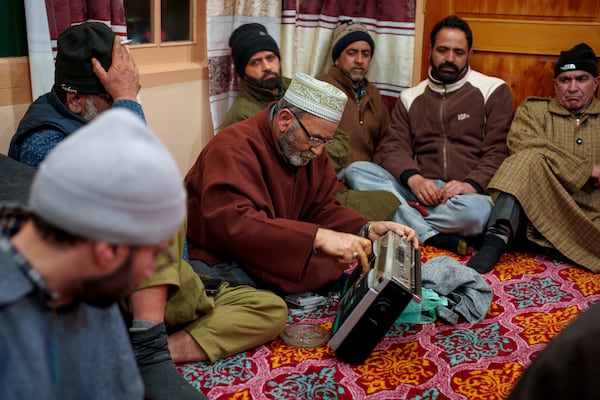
534 298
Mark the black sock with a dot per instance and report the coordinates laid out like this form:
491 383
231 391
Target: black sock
449 241
489 254
161 380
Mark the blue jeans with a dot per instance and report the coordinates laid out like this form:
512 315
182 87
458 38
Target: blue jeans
465 215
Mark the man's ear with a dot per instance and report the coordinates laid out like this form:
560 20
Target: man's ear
108 257
284 119
76 102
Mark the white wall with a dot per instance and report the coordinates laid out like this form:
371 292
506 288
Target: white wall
179 114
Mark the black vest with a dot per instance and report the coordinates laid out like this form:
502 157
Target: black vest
47 112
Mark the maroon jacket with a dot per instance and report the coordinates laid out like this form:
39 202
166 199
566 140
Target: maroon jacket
248 204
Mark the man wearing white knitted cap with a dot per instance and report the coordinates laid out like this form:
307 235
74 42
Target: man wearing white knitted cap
95 226
261 205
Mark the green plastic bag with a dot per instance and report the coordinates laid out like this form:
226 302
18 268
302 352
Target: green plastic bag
423 312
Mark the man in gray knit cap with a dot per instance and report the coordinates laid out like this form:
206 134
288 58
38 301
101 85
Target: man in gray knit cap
365 120
95 226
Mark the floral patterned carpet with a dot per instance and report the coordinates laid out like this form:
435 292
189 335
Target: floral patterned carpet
534 298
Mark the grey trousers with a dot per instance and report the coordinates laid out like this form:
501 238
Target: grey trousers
508 210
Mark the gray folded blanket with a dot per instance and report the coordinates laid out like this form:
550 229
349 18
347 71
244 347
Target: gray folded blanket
468 294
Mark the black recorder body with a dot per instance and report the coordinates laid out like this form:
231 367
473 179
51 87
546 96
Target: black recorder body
370 303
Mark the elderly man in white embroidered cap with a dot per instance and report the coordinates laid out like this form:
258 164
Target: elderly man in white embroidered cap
261 206
96 225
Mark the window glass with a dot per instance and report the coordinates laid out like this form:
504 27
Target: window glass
175 20
138 14
13 42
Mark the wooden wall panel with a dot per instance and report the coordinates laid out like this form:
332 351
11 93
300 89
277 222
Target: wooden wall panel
527 75
531 37
582 10
519 40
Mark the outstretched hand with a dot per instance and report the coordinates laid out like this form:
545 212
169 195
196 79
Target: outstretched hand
345 247
122 80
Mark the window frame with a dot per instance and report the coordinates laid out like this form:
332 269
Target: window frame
188 60
159 63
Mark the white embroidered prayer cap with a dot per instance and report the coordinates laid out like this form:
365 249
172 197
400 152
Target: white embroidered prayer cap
316 97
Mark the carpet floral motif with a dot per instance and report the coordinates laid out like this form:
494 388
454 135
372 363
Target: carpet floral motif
534 299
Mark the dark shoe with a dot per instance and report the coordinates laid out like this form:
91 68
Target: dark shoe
161 380
489 254
448 241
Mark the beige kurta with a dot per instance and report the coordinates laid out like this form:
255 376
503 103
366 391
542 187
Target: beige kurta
548 171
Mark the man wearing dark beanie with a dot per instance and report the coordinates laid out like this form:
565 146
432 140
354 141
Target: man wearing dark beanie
256 60
78 95
366 117
548 190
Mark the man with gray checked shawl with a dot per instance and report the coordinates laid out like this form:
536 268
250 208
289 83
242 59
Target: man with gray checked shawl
551 180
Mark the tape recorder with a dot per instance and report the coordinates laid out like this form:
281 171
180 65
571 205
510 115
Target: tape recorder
371 302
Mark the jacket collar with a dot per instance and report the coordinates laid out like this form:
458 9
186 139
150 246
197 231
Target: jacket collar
440 87
343 79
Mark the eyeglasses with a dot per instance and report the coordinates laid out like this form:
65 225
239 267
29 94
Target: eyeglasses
312 140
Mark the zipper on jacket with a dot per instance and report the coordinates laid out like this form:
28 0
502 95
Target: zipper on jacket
445 138
358 109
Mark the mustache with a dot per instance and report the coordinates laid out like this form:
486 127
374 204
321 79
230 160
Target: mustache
268 74
449 65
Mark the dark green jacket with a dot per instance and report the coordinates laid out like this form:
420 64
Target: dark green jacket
251 100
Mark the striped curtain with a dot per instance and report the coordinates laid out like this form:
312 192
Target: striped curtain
46 20
307 30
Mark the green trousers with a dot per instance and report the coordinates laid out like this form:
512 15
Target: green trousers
233 320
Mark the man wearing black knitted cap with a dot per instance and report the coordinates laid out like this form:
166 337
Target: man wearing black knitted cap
549 187
256 60
93 73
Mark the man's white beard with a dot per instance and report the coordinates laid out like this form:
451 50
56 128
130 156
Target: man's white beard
90 111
